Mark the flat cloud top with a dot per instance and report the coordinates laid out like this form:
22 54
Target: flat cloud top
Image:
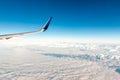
39 59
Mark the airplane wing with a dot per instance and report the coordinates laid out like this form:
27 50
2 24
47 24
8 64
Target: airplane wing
44 28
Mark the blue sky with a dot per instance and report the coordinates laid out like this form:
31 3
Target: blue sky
72 19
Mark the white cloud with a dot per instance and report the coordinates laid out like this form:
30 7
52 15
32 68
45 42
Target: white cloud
40 59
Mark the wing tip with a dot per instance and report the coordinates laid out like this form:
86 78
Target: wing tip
45 27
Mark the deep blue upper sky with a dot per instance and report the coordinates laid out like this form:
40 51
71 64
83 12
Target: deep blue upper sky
72 19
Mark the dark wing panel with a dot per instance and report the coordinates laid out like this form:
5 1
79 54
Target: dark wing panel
45 27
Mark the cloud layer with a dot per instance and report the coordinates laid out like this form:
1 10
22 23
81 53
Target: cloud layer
47 60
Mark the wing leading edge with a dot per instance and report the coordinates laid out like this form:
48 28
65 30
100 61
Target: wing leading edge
43 29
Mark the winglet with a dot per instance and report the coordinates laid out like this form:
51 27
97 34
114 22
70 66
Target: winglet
45 27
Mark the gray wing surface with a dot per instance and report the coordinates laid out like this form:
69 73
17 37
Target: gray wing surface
44 28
